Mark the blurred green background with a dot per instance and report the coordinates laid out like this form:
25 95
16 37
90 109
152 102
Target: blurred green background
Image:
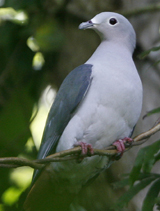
31 37
39 44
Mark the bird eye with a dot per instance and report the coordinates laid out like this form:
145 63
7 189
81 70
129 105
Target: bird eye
112 21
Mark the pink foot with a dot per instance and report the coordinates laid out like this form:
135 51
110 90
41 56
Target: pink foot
120 145
86 148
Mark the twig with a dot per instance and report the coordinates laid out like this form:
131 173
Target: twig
17 162
139 11
72 154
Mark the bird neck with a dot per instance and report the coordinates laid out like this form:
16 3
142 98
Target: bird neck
107 50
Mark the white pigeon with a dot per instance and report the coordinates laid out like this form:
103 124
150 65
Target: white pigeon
98 103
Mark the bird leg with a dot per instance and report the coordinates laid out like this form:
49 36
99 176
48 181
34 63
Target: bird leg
86 148
120 145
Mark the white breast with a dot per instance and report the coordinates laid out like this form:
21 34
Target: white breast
108 112
111 107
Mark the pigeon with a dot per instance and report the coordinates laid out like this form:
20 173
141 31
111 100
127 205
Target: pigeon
97 105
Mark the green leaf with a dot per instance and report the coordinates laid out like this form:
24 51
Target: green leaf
145 53
154 111
120 184
157 200
147 175
149 160
135 172
157 157
125 198
157 62
145 160
151 196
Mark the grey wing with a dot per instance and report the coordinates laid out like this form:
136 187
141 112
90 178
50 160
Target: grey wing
70 94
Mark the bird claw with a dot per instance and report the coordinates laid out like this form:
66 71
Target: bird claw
121 147
86 148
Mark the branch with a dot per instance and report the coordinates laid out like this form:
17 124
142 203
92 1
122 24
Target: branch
72 154
139 11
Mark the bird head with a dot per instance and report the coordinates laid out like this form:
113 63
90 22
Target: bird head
112 27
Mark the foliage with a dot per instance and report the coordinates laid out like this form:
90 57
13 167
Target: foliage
24 73
31 38
141 177
153 111
146 53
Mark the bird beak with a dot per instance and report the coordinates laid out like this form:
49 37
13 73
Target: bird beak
86 25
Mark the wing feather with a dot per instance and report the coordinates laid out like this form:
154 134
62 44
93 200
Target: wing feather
70 94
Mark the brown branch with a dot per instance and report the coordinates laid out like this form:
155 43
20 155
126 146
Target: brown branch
139 11
13 162
71 154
